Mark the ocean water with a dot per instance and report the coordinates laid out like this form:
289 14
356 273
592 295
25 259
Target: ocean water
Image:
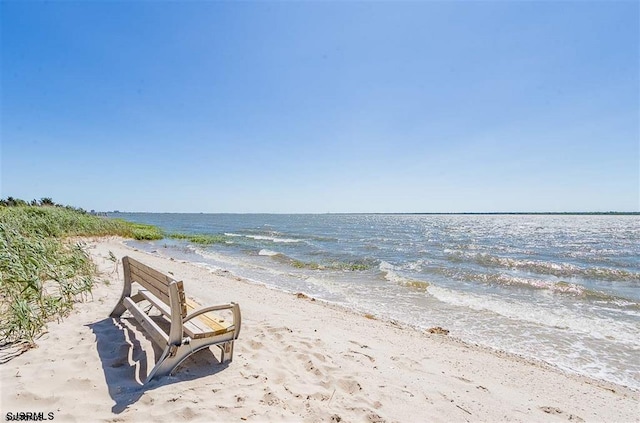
563 289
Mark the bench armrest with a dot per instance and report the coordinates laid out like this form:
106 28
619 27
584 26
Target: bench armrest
234 307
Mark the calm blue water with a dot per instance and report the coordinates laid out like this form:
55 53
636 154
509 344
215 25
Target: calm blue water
562 289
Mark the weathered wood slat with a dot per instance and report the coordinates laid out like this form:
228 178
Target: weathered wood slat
144 278
197 326
153 273
155 281
210 320
196 332
214 329
162 295
147 323
183 298
156 302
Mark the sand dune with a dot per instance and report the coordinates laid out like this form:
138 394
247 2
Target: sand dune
296 360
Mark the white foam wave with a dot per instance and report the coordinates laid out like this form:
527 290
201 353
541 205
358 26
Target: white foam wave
596 327
544 267
263 238
388 272
272 239
385 266
555 286
265 252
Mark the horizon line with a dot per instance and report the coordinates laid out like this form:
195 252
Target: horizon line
631 213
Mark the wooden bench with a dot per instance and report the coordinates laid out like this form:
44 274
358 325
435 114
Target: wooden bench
191 327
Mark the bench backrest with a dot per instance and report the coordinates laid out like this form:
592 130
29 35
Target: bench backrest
155 282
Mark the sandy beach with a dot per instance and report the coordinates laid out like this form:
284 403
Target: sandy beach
297 359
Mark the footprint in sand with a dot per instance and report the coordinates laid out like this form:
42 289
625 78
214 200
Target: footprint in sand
407 363
320 357
310 345
374 418
555 410
311 368
187 413
270 399
256 345
349 386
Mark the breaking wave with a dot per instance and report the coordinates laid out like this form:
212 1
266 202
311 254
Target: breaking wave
389 273
543 267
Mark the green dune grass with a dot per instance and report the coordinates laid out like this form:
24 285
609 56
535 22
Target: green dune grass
43 271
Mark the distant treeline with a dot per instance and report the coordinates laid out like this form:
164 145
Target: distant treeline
43 202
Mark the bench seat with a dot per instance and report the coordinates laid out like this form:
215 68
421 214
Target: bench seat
202 326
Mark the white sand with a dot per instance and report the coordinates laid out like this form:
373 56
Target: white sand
296 360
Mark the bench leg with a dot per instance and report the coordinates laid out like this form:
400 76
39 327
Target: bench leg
227 352
165 365
118 310
126 290
172 356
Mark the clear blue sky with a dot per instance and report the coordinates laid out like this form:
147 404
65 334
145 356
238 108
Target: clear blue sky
322 106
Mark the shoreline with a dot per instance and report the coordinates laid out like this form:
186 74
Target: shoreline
605 384
296 360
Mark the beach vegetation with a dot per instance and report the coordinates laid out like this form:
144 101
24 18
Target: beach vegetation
298 264
345 266
138 231
202 239
353 267
44 267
